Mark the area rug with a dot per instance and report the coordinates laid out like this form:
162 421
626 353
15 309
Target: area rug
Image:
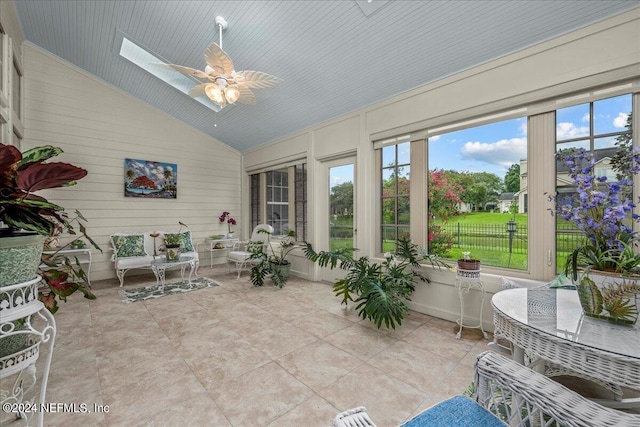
156 291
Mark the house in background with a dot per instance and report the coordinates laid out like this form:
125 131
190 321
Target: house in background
46 99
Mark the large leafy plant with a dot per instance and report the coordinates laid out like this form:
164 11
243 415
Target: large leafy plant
380 291
268 258
21 176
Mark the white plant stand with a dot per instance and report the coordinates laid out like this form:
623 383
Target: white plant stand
465 281
20 301
227 244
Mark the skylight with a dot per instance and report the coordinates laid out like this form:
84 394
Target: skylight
149 62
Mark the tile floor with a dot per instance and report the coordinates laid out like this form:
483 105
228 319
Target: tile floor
236 355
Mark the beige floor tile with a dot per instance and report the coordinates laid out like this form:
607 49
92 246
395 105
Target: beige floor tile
360 341
315 412
322 323
439 341
388 400
235 355
420 368
246 401
319 364
281 339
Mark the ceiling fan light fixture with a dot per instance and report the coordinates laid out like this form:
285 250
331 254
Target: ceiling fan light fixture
232 93
215 93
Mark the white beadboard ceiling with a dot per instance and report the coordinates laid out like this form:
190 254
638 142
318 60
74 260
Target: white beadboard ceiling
334 56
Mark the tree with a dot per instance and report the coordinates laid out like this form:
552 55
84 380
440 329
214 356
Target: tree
512 179
623 159
444 194
341 198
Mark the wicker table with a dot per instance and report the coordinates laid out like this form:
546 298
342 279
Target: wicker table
550 324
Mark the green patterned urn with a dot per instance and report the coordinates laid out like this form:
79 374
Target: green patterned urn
19 258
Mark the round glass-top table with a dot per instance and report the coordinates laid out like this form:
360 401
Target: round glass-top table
549 323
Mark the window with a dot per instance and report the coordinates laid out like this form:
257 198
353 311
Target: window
254 205
278 201
477 191
270 196
16 89
602 127
394 192
301 202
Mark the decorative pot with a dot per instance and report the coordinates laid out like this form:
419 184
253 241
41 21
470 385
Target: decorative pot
20 256
173 252
282 270
469 264
609 296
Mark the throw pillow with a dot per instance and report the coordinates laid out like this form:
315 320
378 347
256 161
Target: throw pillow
128 245
184 238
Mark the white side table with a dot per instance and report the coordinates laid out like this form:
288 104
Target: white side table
83 255
465 281
160 265
226 242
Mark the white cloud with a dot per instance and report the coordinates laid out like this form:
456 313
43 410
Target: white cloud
434 138
566 130
621 121
502 153
585 118
523 126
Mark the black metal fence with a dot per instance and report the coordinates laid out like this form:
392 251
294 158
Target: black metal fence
496 237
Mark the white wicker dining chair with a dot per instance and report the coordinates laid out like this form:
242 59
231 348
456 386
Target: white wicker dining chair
240 255
508 393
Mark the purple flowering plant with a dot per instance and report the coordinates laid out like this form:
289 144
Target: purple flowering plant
604 211
226 217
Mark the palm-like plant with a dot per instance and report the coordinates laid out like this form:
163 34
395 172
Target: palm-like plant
270 259
380 291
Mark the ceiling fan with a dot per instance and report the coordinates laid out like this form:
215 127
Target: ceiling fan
225 85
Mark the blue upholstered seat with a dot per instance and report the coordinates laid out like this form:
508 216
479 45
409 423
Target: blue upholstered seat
458 411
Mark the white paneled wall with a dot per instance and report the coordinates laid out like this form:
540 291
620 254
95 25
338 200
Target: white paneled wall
99 126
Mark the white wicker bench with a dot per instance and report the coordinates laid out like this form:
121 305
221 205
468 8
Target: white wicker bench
508 393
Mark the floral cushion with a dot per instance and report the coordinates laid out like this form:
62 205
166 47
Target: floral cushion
184 238
128 245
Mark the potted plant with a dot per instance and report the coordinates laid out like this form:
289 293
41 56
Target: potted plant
468 263
172 246
378 290
272 260
29 218
606 266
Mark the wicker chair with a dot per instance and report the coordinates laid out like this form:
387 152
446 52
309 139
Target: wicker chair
507 392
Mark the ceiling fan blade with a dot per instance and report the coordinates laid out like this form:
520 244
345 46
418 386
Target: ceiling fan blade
256 79
199 90
186 70
246 96
217 59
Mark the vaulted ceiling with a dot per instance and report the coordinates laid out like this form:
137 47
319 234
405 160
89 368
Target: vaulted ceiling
334 56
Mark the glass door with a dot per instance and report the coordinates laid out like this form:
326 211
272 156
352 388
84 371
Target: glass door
340 209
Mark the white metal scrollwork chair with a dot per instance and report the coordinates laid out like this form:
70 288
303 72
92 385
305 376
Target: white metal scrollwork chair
240 255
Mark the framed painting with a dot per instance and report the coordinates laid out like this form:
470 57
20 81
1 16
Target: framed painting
151 180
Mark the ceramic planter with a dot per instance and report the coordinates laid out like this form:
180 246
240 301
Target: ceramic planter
609 296
173 252
20 255
469 264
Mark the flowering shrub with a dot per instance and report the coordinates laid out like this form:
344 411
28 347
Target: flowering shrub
226 216
603 210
